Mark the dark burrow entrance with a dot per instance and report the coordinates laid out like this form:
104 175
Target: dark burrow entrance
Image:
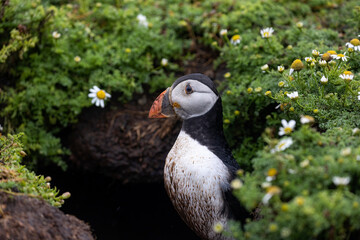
117 211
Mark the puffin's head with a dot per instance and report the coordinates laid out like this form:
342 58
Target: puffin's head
190 96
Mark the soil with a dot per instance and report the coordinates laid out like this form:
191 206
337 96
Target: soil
123 143
26 218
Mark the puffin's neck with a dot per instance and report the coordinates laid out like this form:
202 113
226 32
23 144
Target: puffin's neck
208 128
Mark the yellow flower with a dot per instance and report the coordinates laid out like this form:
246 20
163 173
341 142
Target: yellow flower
285 207
235 40
272 172
127 50
268 93
226 121
237 112
258 89
249 90
297 65
227 75
332 52
326 57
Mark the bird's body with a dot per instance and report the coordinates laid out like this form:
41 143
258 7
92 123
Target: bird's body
200 166
194 177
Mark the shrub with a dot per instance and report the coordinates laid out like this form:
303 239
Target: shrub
17 179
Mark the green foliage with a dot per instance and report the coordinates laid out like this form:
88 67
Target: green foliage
77 48
17 179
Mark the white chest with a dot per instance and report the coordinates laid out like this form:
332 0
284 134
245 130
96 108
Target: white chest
195 179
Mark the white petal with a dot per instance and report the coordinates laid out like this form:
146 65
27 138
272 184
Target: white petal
92 94
281 131
291 71
107 95
93 100
292 124
102 103
97 103
284 123
266 198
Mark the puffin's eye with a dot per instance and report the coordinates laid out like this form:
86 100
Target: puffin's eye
188 89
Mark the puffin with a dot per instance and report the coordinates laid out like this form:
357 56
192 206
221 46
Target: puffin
200 166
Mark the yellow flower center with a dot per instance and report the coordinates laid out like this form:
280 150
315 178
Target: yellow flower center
297 65
235 37
341 55
266 34
332 52
326 57
355 42
348 73
273 190
101 94
272 172
287 130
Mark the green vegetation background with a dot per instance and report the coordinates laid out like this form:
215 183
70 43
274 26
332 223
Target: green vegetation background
44 90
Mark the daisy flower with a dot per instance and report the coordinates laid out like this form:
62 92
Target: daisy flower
142 20
77 59
270 192
343 57
355 131
324 80
282 145
235 40
280 69
223 32
308 59
341 181
56 34
358 95
293 95
306 119
287 127
98 96
347 75
164 62
218 227
236 184
265 67
322 63
266 32
315 53
296 65
354 44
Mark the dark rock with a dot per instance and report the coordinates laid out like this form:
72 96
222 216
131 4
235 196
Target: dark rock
26 218
123 143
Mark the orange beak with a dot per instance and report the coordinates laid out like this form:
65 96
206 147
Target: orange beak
161 108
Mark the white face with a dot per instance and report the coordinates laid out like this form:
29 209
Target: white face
192 98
